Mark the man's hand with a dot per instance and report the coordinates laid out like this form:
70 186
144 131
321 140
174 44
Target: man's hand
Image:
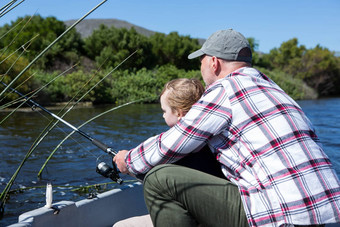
119 159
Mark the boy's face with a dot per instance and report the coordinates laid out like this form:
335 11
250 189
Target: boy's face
170 117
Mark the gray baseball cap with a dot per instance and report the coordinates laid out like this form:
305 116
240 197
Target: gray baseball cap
225 44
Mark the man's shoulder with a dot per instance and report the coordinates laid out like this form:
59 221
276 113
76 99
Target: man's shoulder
244 73
247 71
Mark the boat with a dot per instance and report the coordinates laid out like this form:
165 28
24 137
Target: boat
104 209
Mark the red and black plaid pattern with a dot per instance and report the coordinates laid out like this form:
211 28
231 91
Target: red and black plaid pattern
266 146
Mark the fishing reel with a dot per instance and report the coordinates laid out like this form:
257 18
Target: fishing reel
108 172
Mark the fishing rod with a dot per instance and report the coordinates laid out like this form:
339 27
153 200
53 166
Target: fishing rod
102 168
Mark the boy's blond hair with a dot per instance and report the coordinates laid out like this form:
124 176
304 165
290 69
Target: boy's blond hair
183 93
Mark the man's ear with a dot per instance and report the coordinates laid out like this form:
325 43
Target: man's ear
215 64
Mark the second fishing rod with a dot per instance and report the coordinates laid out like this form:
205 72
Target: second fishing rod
102 168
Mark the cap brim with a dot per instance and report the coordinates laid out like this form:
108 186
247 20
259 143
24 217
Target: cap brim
196 54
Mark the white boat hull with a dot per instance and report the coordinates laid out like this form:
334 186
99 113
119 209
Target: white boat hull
105 210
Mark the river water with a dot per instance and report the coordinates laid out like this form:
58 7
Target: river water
75 162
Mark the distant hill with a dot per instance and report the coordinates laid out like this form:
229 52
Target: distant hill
87 26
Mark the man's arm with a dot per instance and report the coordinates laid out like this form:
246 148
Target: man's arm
206 118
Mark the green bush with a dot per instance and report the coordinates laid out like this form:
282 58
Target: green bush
66 87
294 87
123 85
10 66
120 87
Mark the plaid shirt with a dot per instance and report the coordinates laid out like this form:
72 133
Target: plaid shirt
265 144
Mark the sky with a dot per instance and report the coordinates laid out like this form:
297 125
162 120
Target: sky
269 22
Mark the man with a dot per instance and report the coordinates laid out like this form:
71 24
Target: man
278 172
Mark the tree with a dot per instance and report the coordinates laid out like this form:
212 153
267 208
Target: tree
45 31
318 67
287 57
321 70
174 49
257 58
110 46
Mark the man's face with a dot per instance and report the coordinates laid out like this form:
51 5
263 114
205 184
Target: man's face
206 72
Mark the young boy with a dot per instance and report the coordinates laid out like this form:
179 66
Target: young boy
176 99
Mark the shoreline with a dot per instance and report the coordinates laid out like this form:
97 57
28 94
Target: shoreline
60 105
53 106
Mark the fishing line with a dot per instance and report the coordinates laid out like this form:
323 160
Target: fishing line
62 130
113 173
102 168
33 104
7 8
